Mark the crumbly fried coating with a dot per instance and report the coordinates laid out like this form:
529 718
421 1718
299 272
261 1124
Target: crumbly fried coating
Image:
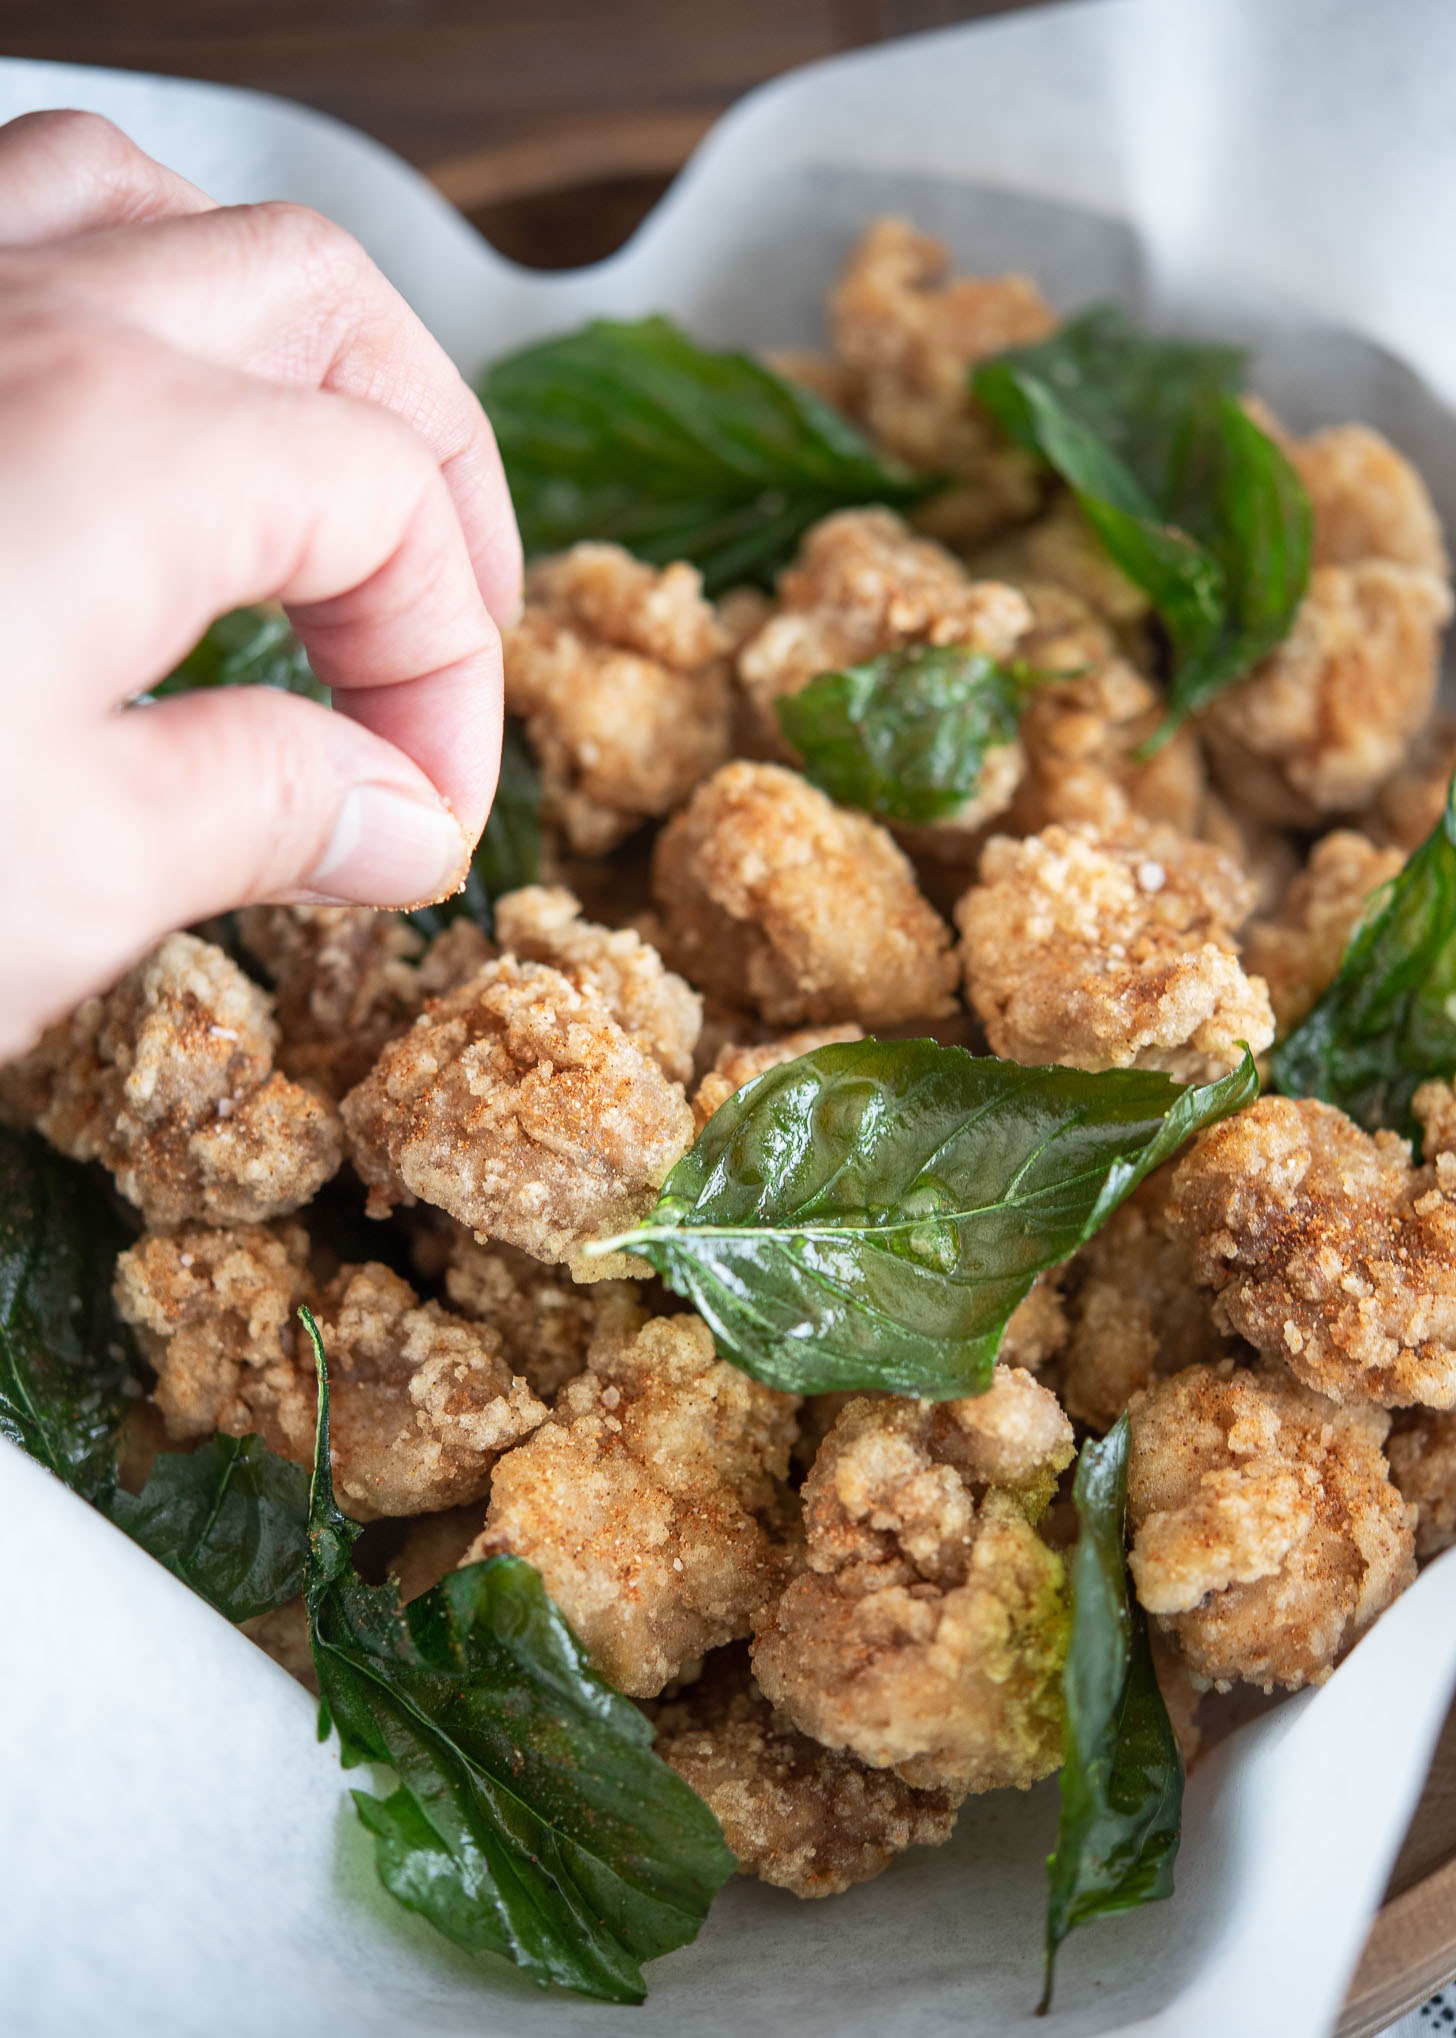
771 893
620 674
344 983
655 1008
907 333
736 1066
1265 1531
1326 1248
1369 502
1298 950
796 1814
169 1082
1037 1328
1112 951
1422 1454
422 1402
1060 549
545 1320
1410 804
928 1631
1328 716
519 1105
652 1502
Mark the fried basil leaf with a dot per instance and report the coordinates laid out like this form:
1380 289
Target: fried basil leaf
248 647
1388 1021
632 432
508 854
869 1215
906 734
531 1816
1122 1776
229 1519
1196 504
64 1353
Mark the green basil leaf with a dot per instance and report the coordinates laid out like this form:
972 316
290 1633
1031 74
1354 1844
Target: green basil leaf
531 1816
1192 500
508 854
248 647
906 734
1122 1776
1388 1021
869 1215
64 1353
229 1519
632 432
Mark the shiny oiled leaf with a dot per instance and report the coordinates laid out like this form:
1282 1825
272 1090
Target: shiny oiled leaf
869 1215
247 647
229 1519
531 1817
906 734
1388 1021
632 432
1122 1776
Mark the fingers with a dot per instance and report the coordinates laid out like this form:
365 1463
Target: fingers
69 173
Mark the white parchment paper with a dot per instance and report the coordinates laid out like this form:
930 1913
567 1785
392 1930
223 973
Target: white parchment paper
178 1854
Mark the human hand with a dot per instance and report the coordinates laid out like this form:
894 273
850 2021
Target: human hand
200 408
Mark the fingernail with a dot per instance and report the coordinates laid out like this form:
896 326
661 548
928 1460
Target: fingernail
389 849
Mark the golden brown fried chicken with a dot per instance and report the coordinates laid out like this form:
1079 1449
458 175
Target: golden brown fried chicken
771 893
1422 1454
1061 550
1409 805
796 1814
927 1633
169 1082
545 1320
736 1066
344 983
519 1105
1112 951
620 674
1298 951
1037 1328
1266 1532
1369 502
421 1403
652 1502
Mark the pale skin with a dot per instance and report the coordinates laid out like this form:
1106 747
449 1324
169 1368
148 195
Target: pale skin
202 407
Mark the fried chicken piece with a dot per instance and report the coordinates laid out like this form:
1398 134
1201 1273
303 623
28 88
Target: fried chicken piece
770 892
434 1545
344 983
284 1635
652 1502
620 674
656 1009
545 1320
1408 806
736 1066
1112 951
794 1813
1369 502
1266 1532
1328 716
1298 951
1060 549
907 334
1325 1248
1422 1454
928 1631
519 1105
421 1402
169 1082
1037 1328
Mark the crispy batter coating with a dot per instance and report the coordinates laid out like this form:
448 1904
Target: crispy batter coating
1328 716
1422 1454
1112 951
1369 502
1409 805
1037 1328
545 1320
656 1009
736 1066
770 892
652 1502
344 983
1298 951
796 1814
1326 1248
620 675
1060 549
1266 1532
928 1631
422 1402
169 1082
519 1105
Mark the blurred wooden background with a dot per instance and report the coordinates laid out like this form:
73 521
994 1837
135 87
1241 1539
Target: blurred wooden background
554 123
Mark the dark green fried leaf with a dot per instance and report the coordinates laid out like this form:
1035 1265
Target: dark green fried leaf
248 647
906 734
1196 505
509 852
229 1519
633 433
869 1215
1122 1776
1388 1021
532 1817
